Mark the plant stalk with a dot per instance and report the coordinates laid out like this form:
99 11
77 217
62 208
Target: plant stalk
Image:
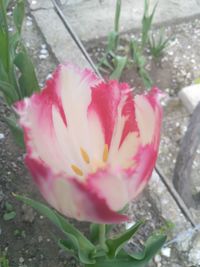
117 15
102 236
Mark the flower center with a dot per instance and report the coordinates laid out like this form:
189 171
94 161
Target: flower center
94 165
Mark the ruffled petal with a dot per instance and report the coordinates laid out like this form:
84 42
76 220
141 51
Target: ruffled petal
55 120
149 119
71 197
91 146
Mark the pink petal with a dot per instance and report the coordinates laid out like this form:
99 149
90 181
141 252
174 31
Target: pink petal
70 197
77 111
149 118
104 103
55 120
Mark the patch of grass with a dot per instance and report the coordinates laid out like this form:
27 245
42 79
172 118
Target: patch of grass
4 262
9 212
147 21
158 45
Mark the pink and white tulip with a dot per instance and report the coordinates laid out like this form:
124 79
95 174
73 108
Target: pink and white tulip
91 146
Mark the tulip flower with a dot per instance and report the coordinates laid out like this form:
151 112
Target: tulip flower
91 146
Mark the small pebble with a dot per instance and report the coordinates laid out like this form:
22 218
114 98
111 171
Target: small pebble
43 46
2 136
49 76
166 252
157 258
29 23
43 56
128 225
21 259
40 239
43 51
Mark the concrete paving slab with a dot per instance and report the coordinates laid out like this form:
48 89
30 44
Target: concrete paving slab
55 33
190 96
94 18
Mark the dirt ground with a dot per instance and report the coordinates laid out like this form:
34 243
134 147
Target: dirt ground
28 238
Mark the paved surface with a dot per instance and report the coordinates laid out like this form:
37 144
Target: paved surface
94 18
55 33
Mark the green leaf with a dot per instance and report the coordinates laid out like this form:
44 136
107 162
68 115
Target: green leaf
68 246
120 63
9 216
112 41
14 41
136 53
104 62
27 80
4 52
147 21
4 262
18 14
3 74
16 131
9 92
6 3
117 15
94 232
4 37
153 245
8 206
116 244
85 249
146 78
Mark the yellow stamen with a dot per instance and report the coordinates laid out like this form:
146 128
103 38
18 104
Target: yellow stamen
85 155
105 153
77 170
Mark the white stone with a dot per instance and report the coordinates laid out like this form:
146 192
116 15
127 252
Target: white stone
166 252
190 96
2 136
157 258
128 225
43 56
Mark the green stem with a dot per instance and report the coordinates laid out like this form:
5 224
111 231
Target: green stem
102 236
117 15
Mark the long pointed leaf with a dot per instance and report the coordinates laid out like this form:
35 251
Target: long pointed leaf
4 38
9 92
18 14
116 244
4 57
84 247
6 3
153 245
27 81
120 65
